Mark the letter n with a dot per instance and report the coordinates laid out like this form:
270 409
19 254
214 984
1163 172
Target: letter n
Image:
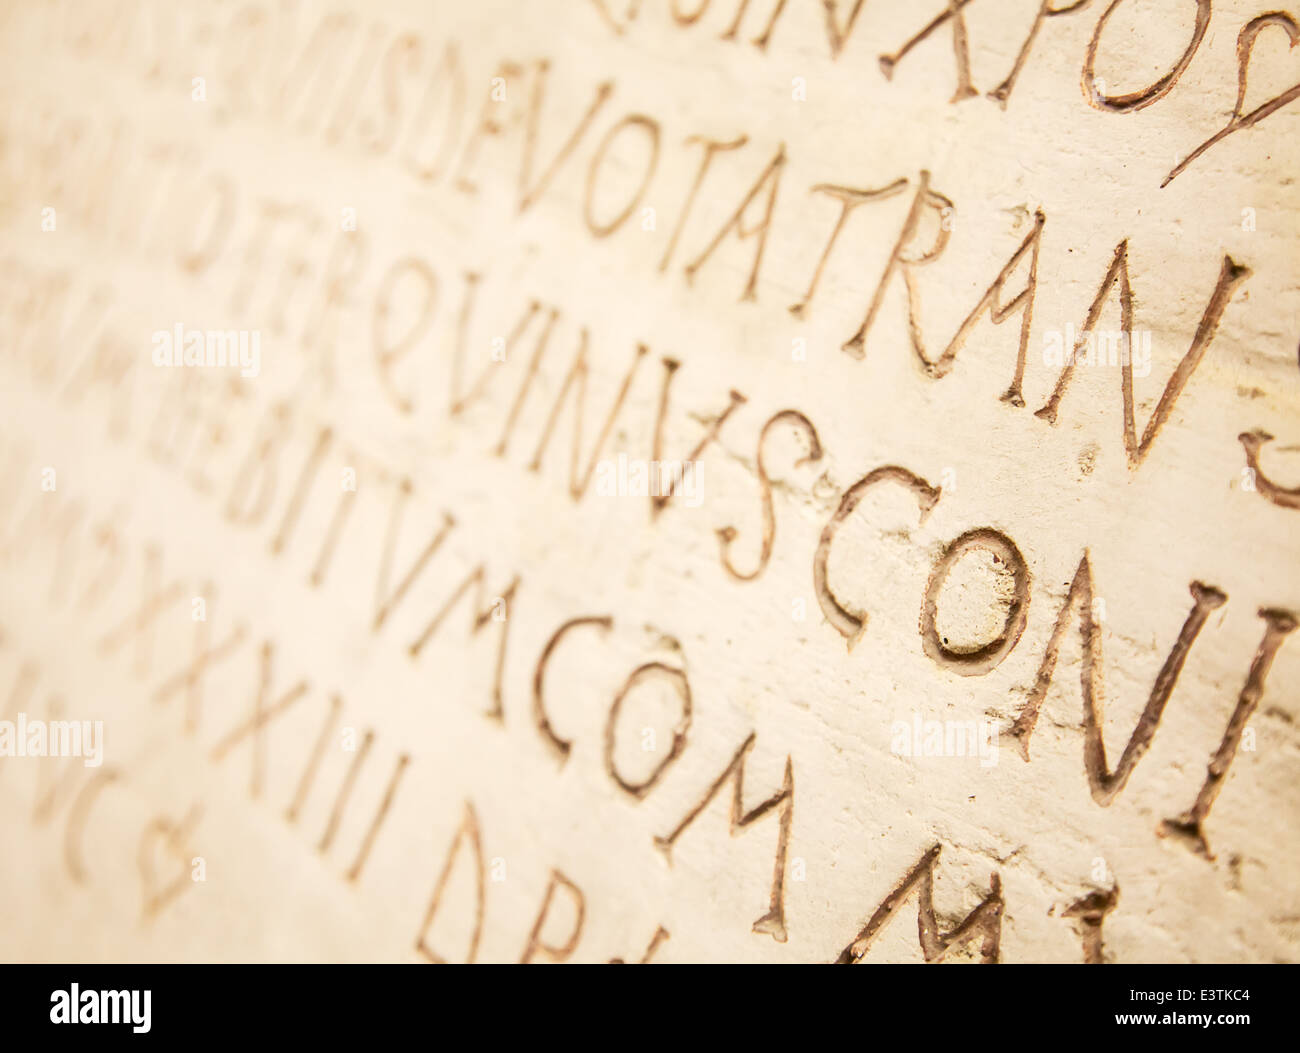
1104 783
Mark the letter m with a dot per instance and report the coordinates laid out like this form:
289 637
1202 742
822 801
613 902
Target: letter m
984 921
485 609
773 922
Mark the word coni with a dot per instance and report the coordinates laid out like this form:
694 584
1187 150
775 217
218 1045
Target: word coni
635 477
56 738
101 1007
1099 347
241 348
945 738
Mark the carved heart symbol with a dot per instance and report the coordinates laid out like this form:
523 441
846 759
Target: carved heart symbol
171 838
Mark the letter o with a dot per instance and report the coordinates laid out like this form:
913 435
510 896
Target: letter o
683 687
1136 100
692 17
988 657
602 230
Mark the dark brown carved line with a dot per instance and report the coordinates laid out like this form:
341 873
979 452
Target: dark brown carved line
773 922
1284 497
727 534
1238 120
680 729
852 624
987 657
985 920
1190 825
1088 914
1104 784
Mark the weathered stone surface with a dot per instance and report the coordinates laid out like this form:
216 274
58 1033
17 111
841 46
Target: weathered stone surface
974 353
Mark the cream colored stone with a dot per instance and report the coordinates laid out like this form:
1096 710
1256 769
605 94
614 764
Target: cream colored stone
328 181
